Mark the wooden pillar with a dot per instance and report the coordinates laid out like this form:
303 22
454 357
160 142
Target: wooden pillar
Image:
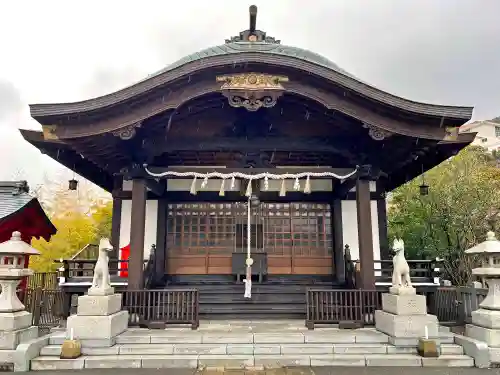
161 239
116 218
382 229
137 231
365 235
338 241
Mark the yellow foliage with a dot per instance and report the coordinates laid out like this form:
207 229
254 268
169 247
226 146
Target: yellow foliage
78 222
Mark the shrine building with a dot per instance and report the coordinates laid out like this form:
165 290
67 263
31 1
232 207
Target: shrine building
251 149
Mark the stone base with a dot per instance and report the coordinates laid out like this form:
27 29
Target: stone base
96 327
92 305
99 292
428 348
11 339
11 321
408 326
487 335
404 304
486 318
402 290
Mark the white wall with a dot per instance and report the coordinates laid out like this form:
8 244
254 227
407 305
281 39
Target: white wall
150 230
350 228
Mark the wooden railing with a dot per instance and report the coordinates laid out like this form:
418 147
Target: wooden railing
173 306
77 268
45 305
335 306
421 271
451 305
44 280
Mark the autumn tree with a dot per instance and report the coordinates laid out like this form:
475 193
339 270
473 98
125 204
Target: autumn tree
81 217
462 205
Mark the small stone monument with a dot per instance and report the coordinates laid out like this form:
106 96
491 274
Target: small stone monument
404 313
99 318
15 322
485 325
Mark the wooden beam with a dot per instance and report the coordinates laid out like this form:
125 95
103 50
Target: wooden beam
233 196
382 222
137 231
338 240
338 145
116 218
365 235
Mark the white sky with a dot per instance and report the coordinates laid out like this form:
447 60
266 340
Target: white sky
444 51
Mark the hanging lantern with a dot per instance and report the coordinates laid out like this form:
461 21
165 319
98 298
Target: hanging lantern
424 189
72 184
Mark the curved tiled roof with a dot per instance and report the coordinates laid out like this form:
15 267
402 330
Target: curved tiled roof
260 47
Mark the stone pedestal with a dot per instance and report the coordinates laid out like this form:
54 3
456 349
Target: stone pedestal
15 329
404 317
98 320
485 325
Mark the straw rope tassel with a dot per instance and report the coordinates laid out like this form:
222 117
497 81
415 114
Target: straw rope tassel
283 188
222 191
193 186
307 186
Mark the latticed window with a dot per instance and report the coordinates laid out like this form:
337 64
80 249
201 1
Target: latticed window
276 228
497 131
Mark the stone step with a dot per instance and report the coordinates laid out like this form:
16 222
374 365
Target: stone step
247 349
246 361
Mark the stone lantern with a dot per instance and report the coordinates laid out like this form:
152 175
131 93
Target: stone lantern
15 323
485 325
12 269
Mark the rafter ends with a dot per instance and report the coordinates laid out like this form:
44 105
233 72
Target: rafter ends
127 132
49 132
376 133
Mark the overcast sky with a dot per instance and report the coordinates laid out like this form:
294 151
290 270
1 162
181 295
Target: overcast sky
439 51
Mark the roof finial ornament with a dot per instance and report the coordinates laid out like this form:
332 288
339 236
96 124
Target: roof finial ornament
253 18
252 34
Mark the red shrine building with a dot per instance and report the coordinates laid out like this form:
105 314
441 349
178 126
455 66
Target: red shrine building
20 211
250 149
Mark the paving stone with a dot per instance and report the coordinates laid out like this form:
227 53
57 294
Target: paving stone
55 350
127 338
165 337
371 338
113 361
306 349
199 349
288 338
267 349
359 349
243 349
54 363
401 349
390 360
338 360
57 338
171 361
51 350
448 361
225 361
230 338
451 349
139 349
335 338
276 361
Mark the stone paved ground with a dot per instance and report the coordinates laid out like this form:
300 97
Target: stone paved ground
287 371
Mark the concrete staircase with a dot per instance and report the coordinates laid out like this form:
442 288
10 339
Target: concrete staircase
248 345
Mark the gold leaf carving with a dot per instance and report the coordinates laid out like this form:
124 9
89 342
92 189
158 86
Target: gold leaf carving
49 132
